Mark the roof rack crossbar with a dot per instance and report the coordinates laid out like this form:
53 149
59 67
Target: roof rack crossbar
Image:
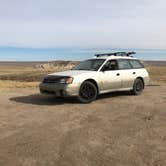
129 54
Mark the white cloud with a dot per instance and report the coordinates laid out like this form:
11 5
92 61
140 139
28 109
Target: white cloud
55 23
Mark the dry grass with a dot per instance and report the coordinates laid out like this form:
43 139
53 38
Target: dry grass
157 74
20 76
28 75
17 84
25 76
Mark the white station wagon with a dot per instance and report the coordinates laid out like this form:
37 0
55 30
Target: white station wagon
102 74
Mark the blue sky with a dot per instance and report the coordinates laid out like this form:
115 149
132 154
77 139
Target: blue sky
83 23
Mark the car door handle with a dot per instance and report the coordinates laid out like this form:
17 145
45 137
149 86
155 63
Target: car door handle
118 74
134 72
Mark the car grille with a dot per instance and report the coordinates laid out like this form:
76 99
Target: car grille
52 79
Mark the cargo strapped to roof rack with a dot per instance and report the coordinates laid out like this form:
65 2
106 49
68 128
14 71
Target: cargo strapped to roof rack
129 54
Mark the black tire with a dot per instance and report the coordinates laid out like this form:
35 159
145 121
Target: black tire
88 92
138 87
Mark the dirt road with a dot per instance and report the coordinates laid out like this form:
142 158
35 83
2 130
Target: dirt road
116 130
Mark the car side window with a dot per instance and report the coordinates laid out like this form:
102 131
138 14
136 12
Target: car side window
110 65
136 64
124 64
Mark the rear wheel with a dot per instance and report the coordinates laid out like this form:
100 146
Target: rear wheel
88 92
138 87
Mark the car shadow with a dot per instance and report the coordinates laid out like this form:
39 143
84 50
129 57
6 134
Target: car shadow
38 99
114 94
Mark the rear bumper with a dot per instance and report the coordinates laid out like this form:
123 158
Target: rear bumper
146 81
58 89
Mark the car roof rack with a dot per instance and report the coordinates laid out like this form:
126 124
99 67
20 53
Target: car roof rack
128 54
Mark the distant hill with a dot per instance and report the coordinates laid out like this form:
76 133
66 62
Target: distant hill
37 64
155 63
62 63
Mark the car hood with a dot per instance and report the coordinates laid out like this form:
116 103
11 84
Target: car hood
72 73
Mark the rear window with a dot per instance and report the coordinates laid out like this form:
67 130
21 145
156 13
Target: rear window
136 64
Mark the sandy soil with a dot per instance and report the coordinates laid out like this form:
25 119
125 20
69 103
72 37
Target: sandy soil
116 130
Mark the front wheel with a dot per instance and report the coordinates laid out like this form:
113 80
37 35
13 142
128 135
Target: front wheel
138 87
88 92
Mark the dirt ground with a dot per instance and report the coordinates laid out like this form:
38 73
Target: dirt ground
116 130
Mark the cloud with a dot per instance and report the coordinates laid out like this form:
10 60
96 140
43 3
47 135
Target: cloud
95 23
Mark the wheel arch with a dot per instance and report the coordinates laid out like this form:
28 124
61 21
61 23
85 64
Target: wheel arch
94 82
141 78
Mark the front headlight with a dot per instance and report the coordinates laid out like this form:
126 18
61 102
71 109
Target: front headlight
66 80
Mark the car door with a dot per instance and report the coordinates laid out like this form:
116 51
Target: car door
127 73
110 76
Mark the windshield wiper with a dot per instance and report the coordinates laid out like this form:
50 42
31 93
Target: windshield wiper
80 69
85 69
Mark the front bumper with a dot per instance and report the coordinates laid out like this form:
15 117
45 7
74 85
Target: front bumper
59 89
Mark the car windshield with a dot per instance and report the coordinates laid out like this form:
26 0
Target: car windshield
91 64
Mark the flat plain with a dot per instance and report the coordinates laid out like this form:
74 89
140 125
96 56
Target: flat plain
117 129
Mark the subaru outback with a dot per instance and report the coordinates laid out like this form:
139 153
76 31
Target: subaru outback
104 73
